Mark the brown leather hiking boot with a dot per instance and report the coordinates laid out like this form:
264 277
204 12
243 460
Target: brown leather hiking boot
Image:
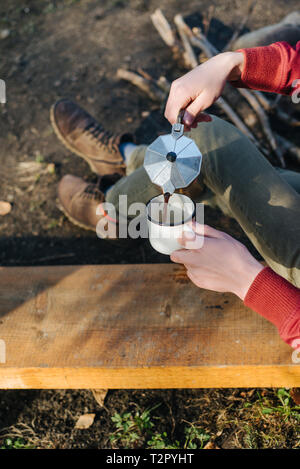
83 135
79 200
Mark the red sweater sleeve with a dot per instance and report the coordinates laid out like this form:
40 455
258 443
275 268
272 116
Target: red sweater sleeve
278 301
274 68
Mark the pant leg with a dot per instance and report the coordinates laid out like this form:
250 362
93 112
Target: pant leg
246 186
255 193
291 177
136 185
136 159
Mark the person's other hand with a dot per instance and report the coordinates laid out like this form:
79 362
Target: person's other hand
200 88
223 264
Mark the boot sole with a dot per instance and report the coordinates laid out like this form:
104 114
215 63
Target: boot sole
115 242
62 139
71 219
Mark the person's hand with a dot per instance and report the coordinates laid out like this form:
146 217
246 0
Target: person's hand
200 88
222 264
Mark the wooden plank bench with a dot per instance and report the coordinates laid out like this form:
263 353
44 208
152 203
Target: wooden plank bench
132 326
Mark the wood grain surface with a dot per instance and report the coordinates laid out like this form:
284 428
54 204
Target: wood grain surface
132 326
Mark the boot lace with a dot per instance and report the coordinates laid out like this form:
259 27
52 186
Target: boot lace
103 137
92 191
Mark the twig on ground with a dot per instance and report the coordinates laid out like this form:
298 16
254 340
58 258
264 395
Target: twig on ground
286 118
225 107
289 147
198 39
275 108
207 19
265 124
276 101
163 84
165 31
144 74
54 257
154 93
240 27
263 100
188 54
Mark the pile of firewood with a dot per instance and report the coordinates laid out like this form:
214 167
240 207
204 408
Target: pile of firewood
248 110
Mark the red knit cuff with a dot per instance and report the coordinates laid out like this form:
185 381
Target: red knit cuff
272 296
263 69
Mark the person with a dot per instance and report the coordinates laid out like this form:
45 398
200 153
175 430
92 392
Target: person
235 176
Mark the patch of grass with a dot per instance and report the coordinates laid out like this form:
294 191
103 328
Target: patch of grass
130 428
28 28
161 441
195 437
53 6
53 224
15 443
39 158
270 419
137 430
285 407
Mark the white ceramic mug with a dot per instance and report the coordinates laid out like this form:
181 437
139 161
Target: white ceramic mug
163 233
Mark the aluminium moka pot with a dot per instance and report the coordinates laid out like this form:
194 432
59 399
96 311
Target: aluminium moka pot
173 161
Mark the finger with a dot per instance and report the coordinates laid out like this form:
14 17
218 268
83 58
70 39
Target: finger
174 104
186 257
200 279
207 231
191 240
203 117
193 110
176 256
191 276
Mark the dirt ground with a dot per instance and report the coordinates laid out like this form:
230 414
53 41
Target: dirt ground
72 48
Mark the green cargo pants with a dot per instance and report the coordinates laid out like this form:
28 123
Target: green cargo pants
235 176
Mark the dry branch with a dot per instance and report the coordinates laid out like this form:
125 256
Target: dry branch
163 84
165 31
265 124
153 91
286 118
225 107
198 39
263 100
144 74
189 54
289 147
239 29
273 107
207 19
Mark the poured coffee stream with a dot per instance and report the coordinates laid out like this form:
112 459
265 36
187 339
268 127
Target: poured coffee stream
167 196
